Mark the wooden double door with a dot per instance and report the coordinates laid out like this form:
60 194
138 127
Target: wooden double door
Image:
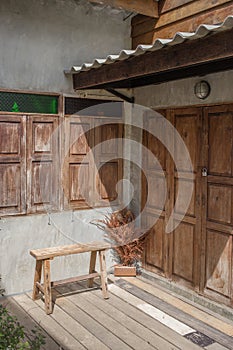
198 253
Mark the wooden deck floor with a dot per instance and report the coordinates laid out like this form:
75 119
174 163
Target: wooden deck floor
136 316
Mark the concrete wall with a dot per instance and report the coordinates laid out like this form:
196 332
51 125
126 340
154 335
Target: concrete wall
20 234
41 38
181 92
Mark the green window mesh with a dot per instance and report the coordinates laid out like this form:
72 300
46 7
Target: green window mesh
28 103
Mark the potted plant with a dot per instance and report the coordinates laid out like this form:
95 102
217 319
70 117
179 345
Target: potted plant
127 241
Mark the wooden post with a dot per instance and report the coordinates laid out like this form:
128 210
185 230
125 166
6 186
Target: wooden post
47 287
92 268
103 274
37 278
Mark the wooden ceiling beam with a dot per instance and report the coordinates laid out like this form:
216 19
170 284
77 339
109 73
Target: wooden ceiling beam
144 7
190 54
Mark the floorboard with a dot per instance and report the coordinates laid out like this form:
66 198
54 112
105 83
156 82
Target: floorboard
200 326
122 317
128 337
136 316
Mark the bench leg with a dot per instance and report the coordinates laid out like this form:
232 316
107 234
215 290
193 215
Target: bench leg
47 287
92 269
37 278
103 274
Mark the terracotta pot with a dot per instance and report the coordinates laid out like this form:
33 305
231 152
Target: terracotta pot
124 271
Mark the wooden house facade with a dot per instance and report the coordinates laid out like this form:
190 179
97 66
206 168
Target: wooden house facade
173 51
175 46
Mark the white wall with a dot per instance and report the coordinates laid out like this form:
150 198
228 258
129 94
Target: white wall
41 38
181 92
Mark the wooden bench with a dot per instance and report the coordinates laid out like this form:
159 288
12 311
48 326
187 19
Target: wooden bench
43 257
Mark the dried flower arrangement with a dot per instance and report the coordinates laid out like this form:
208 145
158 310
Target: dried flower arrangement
128 242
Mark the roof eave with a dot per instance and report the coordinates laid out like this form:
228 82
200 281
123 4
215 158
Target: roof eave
212 53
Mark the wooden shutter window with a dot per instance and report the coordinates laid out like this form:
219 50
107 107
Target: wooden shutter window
42 164
91 181
12 165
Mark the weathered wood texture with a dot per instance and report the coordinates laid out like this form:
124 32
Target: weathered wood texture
42 163
143 291
176 16
52 252
93 161
29 164
77 179
84 320
217 202
43 257
12 164
35 172
108 162
145 7
199 252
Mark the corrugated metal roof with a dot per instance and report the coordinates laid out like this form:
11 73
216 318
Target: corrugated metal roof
202 31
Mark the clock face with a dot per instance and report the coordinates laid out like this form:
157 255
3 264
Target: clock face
202 89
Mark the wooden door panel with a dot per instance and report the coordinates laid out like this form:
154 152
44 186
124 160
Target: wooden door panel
218 203
12 164
186 237
186 183
157 194
220 142
199 252
154 185
155 244
186 123
154 144
183 251
218 262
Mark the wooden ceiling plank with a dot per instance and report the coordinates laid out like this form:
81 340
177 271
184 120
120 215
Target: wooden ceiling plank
144 7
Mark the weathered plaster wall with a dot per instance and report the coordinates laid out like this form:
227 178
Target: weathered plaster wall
181 92
20 234
39 39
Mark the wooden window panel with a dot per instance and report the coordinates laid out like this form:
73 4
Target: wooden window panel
42 164
108 162
77 178
90 181
12 165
